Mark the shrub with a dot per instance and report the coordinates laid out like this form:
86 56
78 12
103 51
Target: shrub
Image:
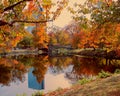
38 93
117 71
104 74
84 81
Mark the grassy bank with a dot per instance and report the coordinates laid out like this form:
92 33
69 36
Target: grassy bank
20 52
106 85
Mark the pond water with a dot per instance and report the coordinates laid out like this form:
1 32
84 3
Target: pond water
27 74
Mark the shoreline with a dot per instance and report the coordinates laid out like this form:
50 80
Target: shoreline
109 86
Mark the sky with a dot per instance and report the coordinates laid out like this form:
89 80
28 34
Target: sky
65 16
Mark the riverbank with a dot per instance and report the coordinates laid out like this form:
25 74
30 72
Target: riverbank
21 52
109 86
90 52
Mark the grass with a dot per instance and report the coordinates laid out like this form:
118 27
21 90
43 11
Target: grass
105 84
104 74
84 81
37 93
100 87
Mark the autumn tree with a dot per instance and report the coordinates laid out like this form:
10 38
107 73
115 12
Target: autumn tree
59 36
16 15
101 19
105 20
78 39
62 38
52 35
40 36
72 27
26 42
11 31
52 39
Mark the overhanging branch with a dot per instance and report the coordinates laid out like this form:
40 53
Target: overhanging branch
3 23
12 6
29 21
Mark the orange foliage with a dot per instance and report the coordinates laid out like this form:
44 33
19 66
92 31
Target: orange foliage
9 38
15 14
107 36
79 39
40 36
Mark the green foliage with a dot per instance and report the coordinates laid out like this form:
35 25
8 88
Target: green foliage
104 74
99 11
106 14
117 71
101 74
38 93
84 80
27 41
98 19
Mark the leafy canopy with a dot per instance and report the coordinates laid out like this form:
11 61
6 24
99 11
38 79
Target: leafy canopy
16 14
101 19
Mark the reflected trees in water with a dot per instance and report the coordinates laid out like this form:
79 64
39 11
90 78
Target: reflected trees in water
11 71
40 66
85 67
59 64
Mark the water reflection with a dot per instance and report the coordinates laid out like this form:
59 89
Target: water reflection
59 64
40 66
11 71
33 82
89 67
44 69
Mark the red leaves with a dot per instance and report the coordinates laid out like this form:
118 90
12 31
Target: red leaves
79 39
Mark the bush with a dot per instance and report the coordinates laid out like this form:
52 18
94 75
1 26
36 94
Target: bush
117 71
84 81
104 74
38 93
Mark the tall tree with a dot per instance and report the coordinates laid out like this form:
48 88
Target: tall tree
16 14
101 18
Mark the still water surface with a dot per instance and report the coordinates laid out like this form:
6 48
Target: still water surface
26 74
